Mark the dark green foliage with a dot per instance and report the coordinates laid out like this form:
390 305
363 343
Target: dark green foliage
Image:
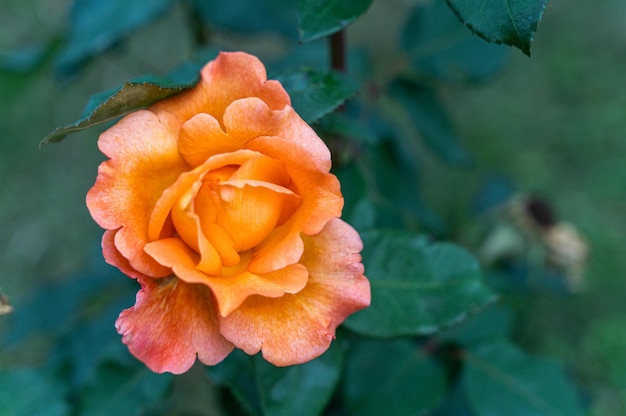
319 18
437 46
89 369
512 22
492 322
27 392
392 171
23 59
58 309
339 125
430 119
123 390
417 287
315 94
97 26
502 380
264 389
244 16
392 377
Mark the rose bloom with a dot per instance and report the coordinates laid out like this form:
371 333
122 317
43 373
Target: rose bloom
219 201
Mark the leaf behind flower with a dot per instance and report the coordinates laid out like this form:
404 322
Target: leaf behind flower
418 288
117 102
316 93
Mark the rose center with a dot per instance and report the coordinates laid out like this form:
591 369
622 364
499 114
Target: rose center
225 214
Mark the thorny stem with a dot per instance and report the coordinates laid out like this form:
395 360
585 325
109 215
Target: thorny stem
338 51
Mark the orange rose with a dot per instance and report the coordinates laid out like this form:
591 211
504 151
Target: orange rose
219 201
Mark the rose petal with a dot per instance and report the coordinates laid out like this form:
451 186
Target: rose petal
231 76
223 243
184 219
235 284
144 160
249 118
231 291
202 137
185 181
297 328
264 169
249 210
320 190
113 257
321 201
176 255
170 324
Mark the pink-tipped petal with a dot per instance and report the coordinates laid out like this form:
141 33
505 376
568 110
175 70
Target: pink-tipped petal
171 323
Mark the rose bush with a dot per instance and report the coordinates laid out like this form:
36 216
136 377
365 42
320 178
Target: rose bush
219 201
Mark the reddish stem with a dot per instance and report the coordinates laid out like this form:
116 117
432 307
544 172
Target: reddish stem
338 51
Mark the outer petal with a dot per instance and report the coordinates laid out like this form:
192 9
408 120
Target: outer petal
113 257
171 322
233 75
144 161
296 328
250 118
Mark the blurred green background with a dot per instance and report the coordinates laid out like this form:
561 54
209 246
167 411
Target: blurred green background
554 123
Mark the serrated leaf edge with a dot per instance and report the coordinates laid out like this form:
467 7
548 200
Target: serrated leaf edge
524 46
86 122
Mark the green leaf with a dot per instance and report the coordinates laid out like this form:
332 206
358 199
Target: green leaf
358 211
97 25
304 389
57 309
362 216
392 170
245 16
512 22
26 392
316 55
112 104
493 322
439 47
502 380
262 388
417 288
455 403
319 18
95 341
237 373
315 94
430 120
121 390
347 128
391 377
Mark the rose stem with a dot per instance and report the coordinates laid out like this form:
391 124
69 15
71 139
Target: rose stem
338 51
